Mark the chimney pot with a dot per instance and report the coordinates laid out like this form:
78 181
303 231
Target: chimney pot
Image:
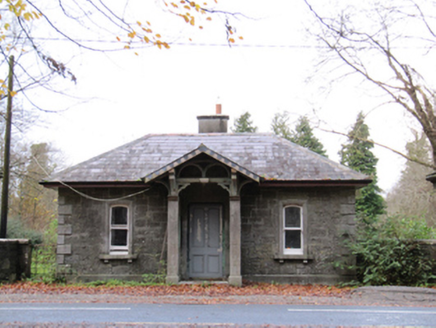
218 109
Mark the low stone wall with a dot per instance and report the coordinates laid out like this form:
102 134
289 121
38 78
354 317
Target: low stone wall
15 263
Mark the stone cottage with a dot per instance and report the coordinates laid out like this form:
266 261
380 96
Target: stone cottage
211 206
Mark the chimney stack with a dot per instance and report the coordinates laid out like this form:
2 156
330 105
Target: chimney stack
213 123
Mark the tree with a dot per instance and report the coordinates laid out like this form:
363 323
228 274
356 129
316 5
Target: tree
280 126
32 204
387 44
26 25
303 136
244 124
357 154
412 196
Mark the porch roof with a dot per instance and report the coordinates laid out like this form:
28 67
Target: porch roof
260 155
205 150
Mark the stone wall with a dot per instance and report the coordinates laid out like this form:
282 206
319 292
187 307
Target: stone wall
83 250
83 234
15 255
330 218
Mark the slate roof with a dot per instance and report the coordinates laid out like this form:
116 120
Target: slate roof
262 155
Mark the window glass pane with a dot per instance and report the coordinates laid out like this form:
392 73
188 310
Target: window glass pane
292 217
292 239
119 215
119 237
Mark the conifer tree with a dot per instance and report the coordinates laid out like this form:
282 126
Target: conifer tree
280 126
303 136
357 154
244 124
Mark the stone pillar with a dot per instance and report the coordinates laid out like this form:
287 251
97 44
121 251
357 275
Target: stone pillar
173 240
235 277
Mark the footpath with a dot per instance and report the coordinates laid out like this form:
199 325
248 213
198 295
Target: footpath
362 296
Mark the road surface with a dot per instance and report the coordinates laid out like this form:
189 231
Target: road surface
255 314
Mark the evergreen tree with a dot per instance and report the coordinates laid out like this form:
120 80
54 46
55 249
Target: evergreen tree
412 195
357 154
244 124
303 136
280 125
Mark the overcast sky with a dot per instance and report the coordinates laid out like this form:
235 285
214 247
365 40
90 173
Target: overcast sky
123 96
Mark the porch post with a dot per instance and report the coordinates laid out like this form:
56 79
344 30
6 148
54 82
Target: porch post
173 234
235 277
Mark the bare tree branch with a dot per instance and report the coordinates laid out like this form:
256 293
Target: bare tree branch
381 145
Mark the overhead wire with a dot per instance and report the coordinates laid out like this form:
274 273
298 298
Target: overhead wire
108 200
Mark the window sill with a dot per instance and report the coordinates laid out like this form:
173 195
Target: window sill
112 257
298 257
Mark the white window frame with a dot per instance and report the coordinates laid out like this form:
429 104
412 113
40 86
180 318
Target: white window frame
114 249
293 251
297 253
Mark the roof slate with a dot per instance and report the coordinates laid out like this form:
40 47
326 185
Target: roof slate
264 154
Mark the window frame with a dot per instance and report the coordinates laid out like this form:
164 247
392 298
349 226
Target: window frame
301 253
117 249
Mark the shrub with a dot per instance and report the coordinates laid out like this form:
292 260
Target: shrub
44 256
388 252
17 230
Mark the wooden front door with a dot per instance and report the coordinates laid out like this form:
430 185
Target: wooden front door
205 241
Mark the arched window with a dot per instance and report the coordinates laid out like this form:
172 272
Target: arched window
119 229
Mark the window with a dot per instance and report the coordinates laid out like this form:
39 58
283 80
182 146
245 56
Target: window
119 230
293 230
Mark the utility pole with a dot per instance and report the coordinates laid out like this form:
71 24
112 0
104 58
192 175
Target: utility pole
6 159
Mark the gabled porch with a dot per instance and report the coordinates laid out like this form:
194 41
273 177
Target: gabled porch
204 218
